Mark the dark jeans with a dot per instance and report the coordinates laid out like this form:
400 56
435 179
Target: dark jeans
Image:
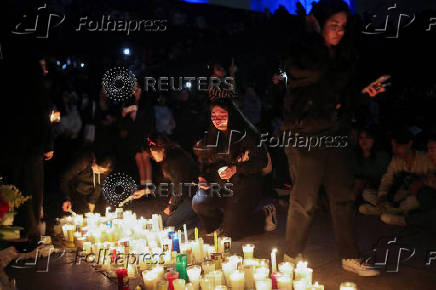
182 215
238 214
425 216
328 167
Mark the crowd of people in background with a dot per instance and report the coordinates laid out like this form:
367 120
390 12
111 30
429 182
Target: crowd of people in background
157 136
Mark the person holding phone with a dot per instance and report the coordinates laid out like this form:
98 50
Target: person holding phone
319 106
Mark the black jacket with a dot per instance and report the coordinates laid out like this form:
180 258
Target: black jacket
179 168
80 179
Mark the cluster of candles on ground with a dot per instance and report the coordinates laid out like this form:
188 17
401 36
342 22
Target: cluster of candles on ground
126 247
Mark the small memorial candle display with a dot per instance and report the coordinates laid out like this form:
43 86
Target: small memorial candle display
125 246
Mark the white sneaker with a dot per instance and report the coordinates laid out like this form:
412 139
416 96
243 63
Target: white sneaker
368 209
270 217
355 266
393 219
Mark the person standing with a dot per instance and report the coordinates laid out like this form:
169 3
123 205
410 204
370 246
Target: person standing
318 109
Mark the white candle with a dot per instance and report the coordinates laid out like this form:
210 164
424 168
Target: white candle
220 287
265 284
206 283
185 231
217 277
284 282
150 279
315 286
287 269
179 284
348 286
194 274
261 273
248 250
228 268
300 285
237 280
249 276
303 273
274 260
208 266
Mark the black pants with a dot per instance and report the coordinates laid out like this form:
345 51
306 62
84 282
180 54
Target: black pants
425 216
310 170
238 213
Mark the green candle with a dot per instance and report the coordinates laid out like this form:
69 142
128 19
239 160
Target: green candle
181 266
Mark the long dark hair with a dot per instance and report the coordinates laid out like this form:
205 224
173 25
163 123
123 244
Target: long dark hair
228 142
322 11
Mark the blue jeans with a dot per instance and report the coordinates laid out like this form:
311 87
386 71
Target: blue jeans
182 215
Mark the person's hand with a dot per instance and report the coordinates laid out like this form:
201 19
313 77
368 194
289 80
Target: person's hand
140 193
228 173
203 181
91 207
48 155
167 211
66 206
375 88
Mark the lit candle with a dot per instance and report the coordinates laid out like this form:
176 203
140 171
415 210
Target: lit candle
208 266
249 276
220 287
261 273
284 282
315 286
196 233
287 269
170 277
185 231
248 250
228 268
179 284
265 284
300 285
274 260
237 280
206 283
348 286
150 279
303 273
194 274
217 277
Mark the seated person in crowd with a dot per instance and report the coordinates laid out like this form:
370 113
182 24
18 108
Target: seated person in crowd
369 162
424 191
180 170
393 195
82 182
231 175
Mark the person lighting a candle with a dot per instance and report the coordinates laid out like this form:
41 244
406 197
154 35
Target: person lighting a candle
231 172
180 170
82 182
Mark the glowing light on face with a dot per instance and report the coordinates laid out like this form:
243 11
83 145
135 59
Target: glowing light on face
219 118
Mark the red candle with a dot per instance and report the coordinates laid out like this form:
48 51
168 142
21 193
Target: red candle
123 279
171 276
274 279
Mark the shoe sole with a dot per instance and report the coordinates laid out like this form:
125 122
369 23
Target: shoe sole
361 274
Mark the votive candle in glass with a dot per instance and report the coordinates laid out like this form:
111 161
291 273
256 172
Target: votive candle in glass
248 250
265 284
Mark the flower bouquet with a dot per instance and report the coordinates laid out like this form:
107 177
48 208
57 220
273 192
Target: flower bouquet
11 198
